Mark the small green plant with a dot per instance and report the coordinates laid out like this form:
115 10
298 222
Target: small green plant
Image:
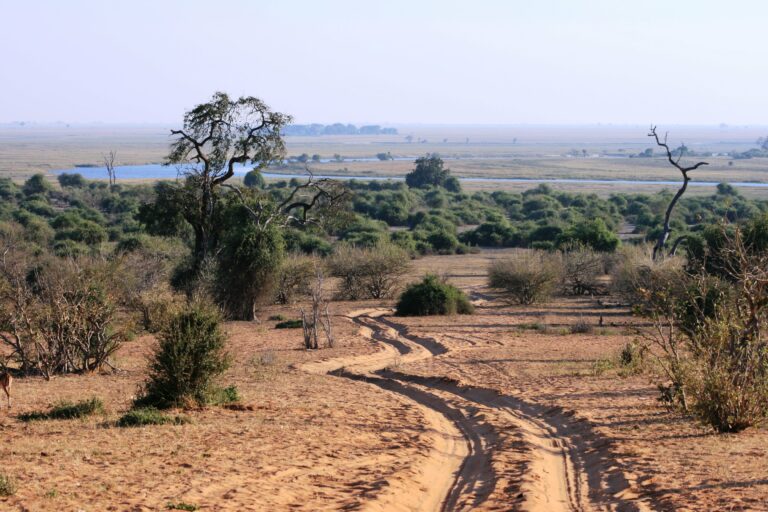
182 506
276 318
601 366
223 396
149 416
7 485
51 493
433 296
289 324
67 411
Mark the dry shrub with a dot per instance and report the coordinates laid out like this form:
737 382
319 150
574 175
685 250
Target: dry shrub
295 278
59 315
637 279
709 333
526 277
581 326
581 269
369 273
144 283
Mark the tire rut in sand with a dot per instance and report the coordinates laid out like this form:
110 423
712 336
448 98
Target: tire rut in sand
491 451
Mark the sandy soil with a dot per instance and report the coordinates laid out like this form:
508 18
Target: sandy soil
501 410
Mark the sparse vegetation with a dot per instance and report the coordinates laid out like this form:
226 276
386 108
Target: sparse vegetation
8 486
67 411
144 416
189 507
581 326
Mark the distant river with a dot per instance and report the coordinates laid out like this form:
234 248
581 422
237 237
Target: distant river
161 172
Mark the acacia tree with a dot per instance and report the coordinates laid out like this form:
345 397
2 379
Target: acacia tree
237 230
661 242
216 137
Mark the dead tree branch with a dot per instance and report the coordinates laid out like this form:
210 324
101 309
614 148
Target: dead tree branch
664 236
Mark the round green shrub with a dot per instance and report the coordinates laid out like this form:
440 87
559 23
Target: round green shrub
433 297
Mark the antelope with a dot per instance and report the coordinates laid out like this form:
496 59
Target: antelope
5 381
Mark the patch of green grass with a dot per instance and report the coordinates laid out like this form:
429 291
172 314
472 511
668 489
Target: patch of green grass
67 411
149 416
7 485
276 318
182 506
600 366
223 396
289 324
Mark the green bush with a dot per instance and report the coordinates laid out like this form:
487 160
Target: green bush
254 179
190 356
36 184
592 233
433 297
289 324
149 416
67 411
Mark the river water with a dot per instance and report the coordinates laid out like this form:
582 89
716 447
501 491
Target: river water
163 172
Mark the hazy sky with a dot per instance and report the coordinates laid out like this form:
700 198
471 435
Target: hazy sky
442 61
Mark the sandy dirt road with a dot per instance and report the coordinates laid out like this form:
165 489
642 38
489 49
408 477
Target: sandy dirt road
490 451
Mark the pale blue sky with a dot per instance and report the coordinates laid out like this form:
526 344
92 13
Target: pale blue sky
442 61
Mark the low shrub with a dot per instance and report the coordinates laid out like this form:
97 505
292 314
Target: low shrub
142 416
632 358
527 277
433 296
223 396
601 366
289 324
188 359
8 485
373 273
189 507
637 279
581 269
294 278
67 411
581 326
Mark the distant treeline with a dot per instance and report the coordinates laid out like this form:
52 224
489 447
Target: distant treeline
337 129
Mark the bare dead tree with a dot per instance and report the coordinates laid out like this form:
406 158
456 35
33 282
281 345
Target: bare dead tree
664 236
319 317
109 163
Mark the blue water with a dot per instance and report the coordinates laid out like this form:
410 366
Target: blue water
162 172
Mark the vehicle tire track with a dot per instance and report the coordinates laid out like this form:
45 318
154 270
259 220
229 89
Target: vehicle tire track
514 455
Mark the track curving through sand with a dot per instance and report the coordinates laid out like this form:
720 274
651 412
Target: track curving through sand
489 451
